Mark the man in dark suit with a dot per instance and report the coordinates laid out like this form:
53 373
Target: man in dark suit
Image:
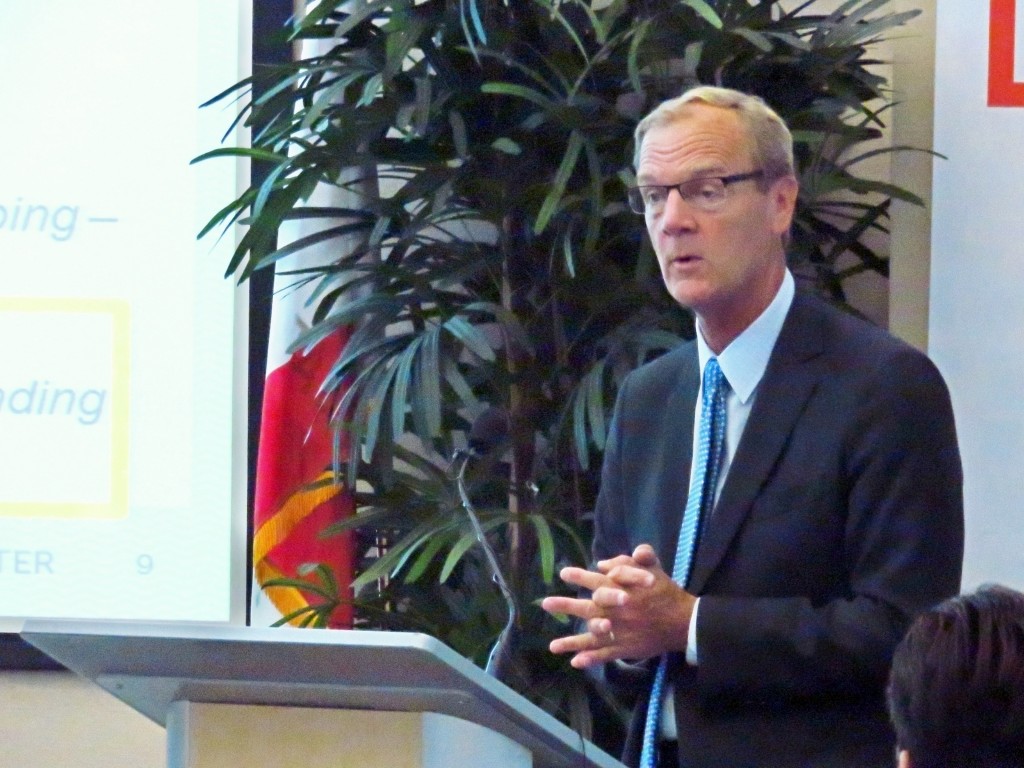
836 515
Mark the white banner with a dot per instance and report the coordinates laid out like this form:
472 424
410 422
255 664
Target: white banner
976 331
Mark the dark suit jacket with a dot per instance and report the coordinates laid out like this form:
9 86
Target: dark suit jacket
841 517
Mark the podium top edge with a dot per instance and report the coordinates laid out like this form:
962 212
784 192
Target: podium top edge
45 633
212 631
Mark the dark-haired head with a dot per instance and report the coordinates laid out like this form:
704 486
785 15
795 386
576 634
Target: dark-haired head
956 691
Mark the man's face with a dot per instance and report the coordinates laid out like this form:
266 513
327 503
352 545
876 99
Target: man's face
726 265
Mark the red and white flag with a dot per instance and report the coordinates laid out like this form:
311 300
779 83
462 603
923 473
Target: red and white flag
296 494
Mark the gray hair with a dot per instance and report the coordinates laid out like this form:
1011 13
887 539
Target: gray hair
771 141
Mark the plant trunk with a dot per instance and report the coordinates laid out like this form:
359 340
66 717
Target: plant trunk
524 391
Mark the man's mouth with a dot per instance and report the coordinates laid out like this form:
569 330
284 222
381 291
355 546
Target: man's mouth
686 258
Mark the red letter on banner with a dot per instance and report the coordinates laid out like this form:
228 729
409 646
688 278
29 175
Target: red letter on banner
1002 25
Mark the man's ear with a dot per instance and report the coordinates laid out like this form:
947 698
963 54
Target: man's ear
783 194
903 759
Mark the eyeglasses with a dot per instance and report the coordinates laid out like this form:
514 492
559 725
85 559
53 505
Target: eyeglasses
706 194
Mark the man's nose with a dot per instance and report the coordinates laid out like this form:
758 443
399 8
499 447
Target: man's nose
678 215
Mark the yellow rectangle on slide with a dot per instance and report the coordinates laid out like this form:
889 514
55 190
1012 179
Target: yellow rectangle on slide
64 407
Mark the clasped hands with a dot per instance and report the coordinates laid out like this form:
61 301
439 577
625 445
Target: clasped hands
634 611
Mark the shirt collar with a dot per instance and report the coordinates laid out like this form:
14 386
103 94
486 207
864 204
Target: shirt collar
744 361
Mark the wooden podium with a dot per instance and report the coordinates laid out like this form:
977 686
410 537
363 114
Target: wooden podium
283 698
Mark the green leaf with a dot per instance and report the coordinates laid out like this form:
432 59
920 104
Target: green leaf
367 517
474 14
459 139
519 91
510 323
582 550
263 228
455 554
692 57
594 383
473 339
847 163
295 73
379 231
462 546
306 586
633 58
573 35
315 238
329 97
373 399
460 386
755 38
507 146
554 196
567 253
545 546
425 558
791 40
467 32
305 613
579 427
866 186
403 377
600 29
596 198
234 208
252 153
427 416
403 35
705 11
245 84
373 88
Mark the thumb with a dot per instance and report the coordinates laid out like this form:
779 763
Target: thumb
646 557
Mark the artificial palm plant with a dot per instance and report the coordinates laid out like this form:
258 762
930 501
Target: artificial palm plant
498 264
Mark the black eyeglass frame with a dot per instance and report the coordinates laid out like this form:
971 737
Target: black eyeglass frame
634 194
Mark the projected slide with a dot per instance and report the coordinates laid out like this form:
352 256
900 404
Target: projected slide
118 472
64 382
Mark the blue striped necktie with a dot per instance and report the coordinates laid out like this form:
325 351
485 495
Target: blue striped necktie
710 446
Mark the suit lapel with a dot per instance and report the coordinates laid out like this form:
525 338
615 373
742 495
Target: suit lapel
788 382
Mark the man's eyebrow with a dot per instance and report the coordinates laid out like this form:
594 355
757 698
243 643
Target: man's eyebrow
700 172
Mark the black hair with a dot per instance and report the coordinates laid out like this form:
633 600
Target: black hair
956 689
